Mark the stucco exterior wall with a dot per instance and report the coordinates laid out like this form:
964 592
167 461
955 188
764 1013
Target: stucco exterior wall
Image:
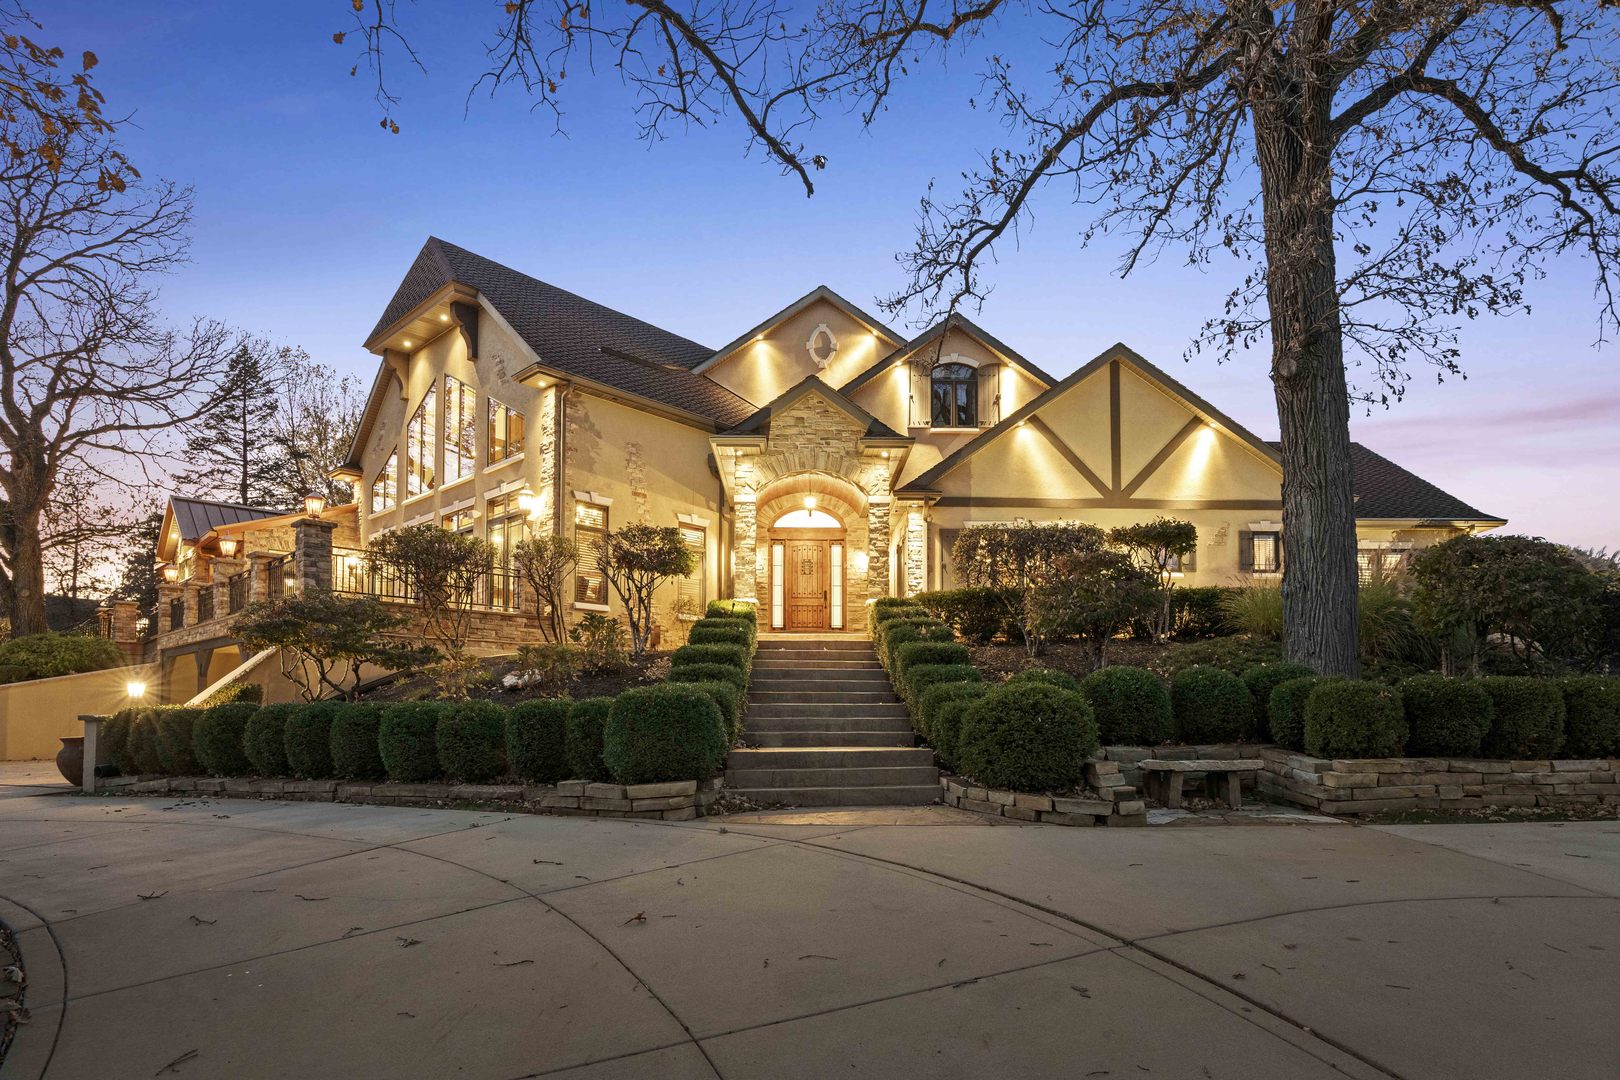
765 368
35 716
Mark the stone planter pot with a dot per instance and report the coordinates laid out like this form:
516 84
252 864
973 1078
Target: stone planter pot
70 760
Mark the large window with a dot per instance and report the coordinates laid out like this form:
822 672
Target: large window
1265 552
460 521
460 429
1377 564
505 432
508 526
590 534
385 486
422 447
955 396
690 587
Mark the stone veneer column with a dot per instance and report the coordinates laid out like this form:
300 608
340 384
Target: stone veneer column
744 555
877 546
543 519
312 553
916 554
224 570
259 577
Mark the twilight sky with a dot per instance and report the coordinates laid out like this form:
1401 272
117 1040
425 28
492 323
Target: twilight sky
308 215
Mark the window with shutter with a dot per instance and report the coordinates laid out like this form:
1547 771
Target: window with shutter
989 395
954 397
1265 552
590 535
690 588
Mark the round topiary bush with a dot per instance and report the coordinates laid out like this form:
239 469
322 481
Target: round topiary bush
1591 716
471 741
919 677
1131 705
1210 706
536 737
1027 737
1262 679
672 731
407 740
710 673
308 739
356 726
895 607
897 632
1444 717
730 701
1353 718
931 700
1527 717
216 738
731 609
913 653
720 635
174 744
945 722
735 655
587 720
1286 709
1050 676
143 741
115 734
265 740
745 625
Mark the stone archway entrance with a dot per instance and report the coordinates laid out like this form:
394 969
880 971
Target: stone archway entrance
807 571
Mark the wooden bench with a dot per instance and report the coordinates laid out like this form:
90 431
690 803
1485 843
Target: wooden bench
1161 779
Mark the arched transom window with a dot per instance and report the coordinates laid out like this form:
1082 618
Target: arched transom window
955 396
807 519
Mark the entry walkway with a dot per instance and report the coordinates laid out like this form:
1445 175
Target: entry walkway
215 938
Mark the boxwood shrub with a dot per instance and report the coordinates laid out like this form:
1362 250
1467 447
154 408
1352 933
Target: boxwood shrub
536 739
1210 706
976 613
1527 717
671 731
919 677
710 673
1027 737
1591 716
1131 705
143 741
730 701
587 720
1444 717
733 654
890 607
936 695
928 652
1286 710
1050 676
356 726
216 738
1354 718
945 720
235 691
264 740
1262 679
898 632
308 739
708 632
407 740
174 744
471 740
731 609
115 733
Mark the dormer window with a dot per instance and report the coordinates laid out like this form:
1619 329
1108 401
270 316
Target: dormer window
954 392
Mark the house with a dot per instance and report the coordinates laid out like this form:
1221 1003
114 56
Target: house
815 462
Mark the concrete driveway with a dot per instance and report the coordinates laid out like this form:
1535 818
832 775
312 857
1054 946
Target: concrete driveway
239 939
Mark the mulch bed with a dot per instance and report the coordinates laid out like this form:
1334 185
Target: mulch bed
651 668
1000 661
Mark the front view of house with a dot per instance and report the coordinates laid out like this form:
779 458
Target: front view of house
817 461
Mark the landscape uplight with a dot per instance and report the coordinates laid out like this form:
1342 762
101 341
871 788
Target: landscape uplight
135 688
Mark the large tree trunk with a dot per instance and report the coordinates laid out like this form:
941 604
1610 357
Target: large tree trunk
27 578
1320 597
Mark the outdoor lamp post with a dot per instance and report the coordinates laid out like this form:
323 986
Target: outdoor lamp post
227 546
171 573
313 505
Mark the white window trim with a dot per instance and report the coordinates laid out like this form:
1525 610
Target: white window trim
580 605
505 461
1265 526
419 519
595 498
697 521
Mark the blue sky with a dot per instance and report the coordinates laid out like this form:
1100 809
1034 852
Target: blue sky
307 215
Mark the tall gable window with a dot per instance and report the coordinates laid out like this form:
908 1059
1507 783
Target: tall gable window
385 486
590 536
954 392
422 447
460 429
505 432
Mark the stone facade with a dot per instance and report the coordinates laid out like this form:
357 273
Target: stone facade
1381 785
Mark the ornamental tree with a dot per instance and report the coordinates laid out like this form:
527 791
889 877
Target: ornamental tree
442 571
1379 170
1013 561
1160 546
546 564
636 560
1096 594
323 640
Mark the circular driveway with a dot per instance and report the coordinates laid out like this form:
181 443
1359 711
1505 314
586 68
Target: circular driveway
232 938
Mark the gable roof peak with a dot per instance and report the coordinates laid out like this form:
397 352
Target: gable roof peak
820 292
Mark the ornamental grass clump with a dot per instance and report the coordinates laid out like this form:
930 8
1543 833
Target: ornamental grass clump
471 741
356 727
536 739
587 721
174 739
407 740
1286 709
216 738
1262 679
1445 717
1591 716
1131 705
671 731
1027 737
1527 717
1353 718
1210 706
264 740
308 739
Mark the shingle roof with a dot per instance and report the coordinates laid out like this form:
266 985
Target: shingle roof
572 334
1385 490
760 422
198 517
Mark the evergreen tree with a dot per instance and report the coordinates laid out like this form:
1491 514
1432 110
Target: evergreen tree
139 580
232 447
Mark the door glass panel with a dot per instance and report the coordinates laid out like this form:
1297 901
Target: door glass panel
837 568
777 567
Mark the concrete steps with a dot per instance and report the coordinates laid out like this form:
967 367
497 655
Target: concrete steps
825 728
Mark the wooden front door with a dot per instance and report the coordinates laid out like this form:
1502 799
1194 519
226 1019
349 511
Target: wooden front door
805 578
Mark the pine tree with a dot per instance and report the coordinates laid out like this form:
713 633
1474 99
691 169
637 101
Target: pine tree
232 447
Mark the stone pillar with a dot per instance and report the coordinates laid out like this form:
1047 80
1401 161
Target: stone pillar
312 553
167 592
125 614
543 519
259 582
916 552
877 546
224 570
745 552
